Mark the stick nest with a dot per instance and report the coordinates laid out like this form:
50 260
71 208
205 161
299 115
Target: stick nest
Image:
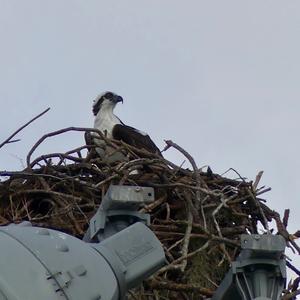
197 215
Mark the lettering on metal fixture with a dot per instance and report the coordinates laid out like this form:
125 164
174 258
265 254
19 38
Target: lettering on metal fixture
138 249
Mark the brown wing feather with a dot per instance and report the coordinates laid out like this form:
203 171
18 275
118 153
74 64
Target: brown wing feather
133 137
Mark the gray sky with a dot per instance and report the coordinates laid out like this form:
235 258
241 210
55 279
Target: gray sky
220 78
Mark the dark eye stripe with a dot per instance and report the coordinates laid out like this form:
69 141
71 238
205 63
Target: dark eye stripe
96 108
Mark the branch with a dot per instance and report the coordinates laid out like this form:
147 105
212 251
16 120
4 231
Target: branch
8 140
57 133
196 172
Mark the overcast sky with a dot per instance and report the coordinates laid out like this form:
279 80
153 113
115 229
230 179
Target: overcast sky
220 78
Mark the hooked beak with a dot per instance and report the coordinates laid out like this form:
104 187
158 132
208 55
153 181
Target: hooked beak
117 99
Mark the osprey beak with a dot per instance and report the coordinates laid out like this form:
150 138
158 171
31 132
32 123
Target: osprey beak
117 99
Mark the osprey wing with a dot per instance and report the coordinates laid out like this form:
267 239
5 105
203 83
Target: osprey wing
134 137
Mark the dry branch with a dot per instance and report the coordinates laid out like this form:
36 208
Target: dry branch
9 139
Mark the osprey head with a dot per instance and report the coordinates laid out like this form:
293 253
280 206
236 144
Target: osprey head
107 99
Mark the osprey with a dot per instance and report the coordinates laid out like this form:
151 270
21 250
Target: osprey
111 126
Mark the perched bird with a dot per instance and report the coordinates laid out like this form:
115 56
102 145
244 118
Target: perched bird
111 126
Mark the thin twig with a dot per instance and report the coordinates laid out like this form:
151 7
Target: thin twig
199 183
187 236
57 132
8 140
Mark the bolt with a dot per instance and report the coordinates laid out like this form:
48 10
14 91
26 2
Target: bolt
43 231
62 248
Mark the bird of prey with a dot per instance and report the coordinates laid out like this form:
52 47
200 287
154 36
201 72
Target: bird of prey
111 126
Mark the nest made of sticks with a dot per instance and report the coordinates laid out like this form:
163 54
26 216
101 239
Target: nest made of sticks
197 215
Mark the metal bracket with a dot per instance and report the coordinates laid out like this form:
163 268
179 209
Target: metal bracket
119 209
259 272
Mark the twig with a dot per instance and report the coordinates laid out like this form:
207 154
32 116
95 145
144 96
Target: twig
187 236
13 141
198 202
8 140
259 206
54 133
222 204
291 295
154 284
175 264
257 179
289 265
285 219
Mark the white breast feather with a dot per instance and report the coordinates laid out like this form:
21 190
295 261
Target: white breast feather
105 121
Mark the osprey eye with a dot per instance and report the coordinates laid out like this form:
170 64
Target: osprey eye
109 96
